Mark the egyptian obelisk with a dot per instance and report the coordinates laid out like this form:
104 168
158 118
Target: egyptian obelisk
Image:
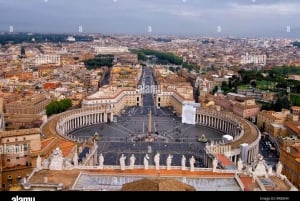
150 124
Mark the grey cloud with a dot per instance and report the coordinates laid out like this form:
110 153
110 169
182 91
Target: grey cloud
201 17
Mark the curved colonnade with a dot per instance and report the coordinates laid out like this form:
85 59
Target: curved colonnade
242 131
75 119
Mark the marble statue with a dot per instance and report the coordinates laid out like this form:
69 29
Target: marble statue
270 170
259 167
39 162
132 161
214 164
146 162
122 162
183 161
75 160
169 162
101 161
278 168
192 163
56 162
240 165
46 164
156 160
24 180
67 164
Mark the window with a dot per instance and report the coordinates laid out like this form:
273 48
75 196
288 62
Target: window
16 139
19 178
8 160
10 179
7 140
7 149
24 138
25 147
17 148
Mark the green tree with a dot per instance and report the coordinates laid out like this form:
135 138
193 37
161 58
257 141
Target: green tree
99 61
282 102
52 108
295 99
253 83
56 107
141 56
215 89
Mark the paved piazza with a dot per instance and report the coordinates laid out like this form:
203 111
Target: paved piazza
127 136
127 132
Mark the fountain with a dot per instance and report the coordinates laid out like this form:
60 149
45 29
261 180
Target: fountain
202 139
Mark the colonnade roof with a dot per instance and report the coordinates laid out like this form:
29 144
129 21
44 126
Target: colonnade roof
250 135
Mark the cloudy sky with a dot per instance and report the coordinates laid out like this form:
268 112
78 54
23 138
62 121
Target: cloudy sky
264 18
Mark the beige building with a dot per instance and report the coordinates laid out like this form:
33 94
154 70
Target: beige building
115 97
265 119
120 92
34 104
246 109
22 121
240 105
17 146
174 97
296 110
172 90
17 149
290 159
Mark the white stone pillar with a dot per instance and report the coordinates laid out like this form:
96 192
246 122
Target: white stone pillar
105 117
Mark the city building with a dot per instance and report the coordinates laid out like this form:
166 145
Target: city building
48 59
110 50
295 110
240 105
120 92
17 148
246 109
265 119
115 97
22 121
34 104
290 159
172 90
17 145
52 85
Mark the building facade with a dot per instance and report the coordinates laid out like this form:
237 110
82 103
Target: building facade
290 159
34 104
17 149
